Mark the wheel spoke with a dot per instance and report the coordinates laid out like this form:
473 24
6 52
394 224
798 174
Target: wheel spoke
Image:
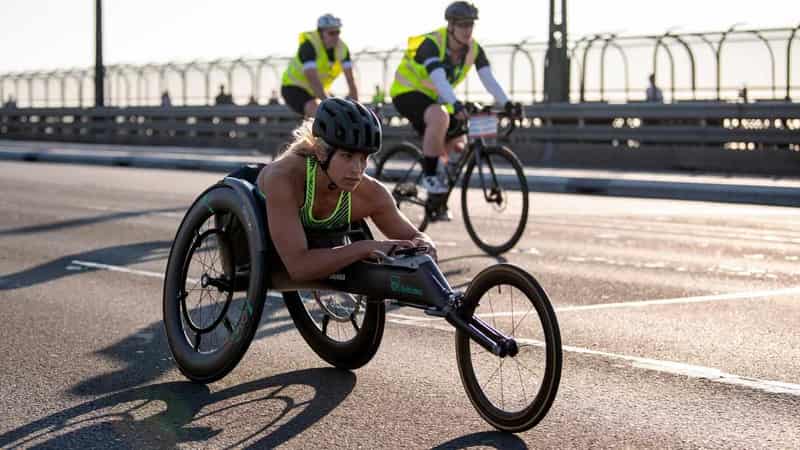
492 375
519 364
514 325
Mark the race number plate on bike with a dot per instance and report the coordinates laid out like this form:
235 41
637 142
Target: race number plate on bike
483 125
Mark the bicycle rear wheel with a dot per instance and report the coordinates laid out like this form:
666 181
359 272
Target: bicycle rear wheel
401 168
499 183
512 393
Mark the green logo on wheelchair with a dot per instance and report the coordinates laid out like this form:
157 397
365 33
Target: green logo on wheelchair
397 286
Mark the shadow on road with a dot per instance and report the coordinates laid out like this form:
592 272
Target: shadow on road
266 413
491 439
119 255
85 221
145 355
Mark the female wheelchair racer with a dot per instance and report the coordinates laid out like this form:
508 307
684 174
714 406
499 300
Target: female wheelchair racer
224 261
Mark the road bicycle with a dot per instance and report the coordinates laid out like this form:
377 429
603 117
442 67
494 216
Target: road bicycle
222 264
492 168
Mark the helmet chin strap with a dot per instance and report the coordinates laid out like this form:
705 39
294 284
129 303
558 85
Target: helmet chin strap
324 166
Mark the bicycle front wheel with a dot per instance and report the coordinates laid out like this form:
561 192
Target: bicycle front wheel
512 393
494 200
401 168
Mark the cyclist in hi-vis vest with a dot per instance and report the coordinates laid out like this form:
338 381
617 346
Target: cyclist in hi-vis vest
321 57
423 91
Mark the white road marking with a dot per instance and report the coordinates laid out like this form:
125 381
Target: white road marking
676 301
671 367
692 371
674 368
94 265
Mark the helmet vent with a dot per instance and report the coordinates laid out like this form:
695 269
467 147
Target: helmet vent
339 132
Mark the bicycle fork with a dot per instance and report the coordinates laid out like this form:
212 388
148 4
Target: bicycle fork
479 331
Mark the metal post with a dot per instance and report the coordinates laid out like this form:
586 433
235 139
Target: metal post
99 70
556 66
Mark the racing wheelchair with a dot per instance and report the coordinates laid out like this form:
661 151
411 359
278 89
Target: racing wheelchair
222 264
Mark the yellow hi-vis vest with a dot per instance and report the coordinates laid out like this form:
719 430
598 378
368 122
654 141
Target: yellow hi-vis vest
327 71
412 76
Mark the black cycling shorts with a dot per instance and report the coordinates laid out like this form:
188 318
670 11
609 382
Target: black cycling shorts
412 106
296 98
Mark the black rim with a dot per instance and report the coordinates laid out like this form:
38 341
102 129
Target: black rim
492 398
213 284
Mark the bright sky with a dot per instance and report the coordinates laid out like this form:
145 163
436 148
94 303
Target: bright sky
50 34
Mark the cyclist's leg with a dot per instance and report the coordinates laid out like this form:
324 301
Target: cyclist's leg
310 107
437 121
456 144
295 98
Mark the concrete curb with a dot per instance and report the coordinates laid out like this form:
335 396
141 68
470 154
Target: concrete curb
728 193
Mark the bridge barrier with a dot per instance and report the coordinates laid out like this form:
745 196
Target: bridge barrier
754 138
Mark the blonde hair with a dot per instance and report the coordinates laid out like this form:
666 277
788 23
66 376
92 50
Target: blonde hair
304 142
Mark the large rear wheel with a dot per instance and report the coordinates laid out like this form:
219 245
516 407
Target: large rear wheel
208 324
343 329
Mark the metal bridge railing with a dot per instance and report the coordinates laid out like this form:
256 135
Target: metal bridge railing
606 67
741 137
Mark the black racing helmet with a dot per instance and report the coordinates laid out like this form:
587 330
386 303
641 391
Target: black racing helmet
461 11
348 125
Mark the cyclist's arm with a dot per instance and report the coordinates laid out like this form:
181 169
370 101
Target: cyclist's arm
313 79
286 231
428 55
308 56
347 67
487 78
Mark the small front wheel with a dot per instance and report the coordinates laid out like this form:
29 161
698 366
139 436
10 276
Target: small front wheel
497 201
515 392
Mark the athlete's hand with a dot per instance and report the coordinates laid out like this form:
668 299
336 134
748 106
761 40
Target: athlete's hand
459 111
425 241
379 250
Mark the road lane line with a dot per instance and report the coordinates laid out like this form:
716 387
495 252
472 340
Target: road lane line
681 300
671 367
94 265
692 371
644 303
633 304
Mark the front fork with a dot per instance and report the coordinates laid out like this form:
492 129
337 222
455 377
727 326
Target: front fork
479 331
493 194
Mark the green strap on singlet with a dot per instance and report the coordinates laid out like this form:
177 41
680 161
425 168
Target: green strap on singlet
340 216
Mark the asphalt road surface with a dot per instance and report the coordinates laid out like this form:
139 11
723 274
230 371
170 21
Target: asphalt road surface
678 319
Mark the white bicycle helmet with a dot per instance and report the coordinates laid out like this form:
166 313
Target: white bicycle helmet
329 21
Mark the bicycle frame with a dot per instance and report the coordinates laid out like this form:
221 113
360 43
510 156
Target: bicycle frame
472 152
414 281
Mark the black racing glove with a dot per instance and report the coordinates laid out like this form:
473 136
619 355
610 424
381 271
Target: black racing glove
457 107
